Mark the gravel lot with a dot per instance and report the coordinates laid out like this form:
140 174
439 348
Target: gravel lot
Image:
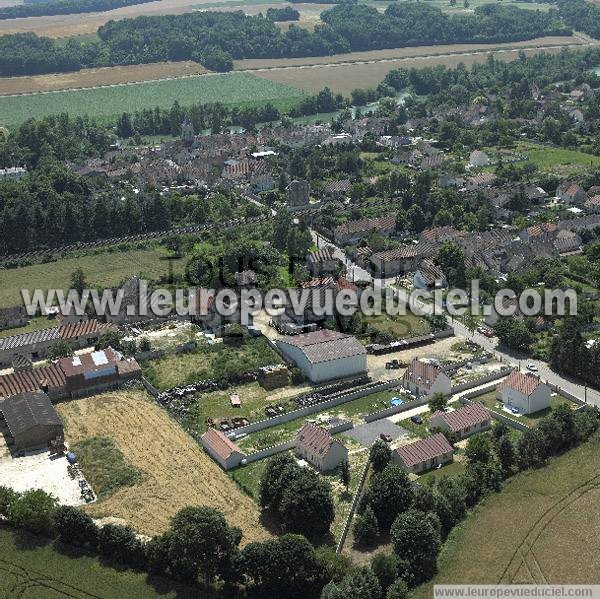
37 470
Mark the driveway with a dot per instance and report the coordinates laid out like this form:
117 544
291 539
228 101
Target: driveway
367 434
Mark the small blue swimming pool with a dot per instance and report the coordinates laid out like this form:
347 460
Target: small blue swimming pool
396 401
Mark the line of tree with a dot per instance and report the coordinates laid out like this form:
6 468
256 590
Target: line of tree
63 7
216 116
215 38
287 13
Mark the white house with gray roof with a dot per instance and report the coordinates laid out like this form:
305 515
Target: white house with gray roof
325 355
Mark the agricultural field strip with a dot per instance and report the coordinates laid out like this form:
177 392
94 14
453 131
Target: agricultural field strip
525 548
344 60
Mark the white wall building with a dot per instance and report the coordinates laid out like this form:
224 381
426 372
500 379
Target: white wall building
325 355
525 392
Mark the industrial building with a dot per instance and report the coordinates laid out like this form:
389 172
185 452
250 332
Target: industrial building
325 355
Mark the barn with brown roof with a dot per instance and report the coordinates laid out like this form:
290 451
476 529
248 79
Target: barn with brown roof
316 445
523 392
424 454
222 449
30 419
465 421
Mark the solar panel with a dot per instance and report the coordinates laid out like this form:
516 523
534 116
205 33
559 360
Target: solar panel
99 358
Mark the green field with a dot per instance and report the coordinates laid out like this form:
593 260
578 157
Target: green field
547 158
541 528
104 269
31 568
230 88
105 466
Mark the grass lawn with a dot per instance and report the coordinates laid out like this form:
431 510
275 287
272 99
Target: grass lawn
489 400
400 327
418 430
38 570
284 432
35 324
543 527
546 158
248 478
241 89
454 468
104 466
209 361
104 269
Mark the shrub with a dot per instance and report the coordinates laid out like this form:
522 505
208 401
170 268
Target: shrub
120 545
75 527
34 511
366 529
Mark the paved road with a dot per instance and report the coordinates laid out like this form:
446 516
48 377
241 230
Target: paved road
357 273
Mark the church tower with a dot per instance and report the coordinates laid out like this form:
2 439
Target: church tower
187 131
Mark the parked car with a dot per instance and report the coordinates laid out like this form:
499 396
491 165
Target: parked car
489 333
385 437
532 367
416 419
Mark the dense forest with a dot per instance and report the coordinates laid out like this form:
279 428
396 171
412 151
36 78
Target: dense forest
581 15
214 38
63 7
495 76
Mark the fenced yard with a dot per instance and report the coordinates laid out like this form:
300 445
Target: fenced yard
489 401
217 361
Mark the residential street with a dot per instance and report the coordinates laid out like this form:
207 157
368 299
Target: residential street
356 273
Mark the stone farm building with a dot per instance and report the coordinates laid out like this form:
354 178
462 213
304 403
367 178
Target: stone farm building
425 378
325 355
73 377
524 392
30 420
316 445
222 449
465 421
424 454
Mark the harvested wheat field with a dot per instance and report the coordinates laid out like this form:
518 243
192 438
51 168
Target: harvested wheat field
545 526
177 472
392 53
99 77
342 78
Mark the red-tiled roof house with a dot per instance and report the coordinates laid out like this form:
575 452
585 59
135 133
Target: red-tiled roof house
524 391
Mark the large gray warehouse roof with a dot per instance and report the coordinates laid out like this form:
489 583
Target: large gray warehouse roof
325 345
23 412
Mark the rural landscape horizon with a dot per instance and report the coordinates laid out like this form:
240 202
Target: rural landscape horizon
299 299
